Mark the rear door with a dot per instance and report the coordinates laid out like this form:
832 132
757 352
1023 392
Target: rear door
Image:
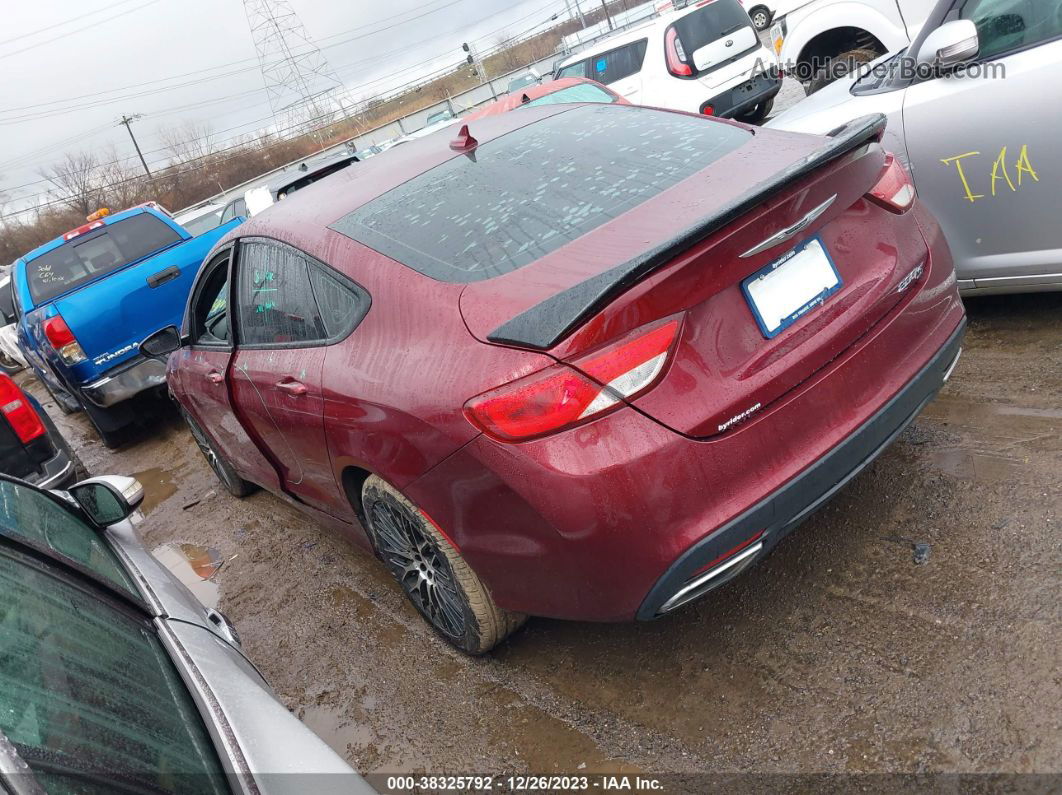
277 370
203 368
984 148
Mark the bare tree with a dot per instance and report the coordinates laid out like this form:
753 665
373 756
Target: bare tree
76 181
188 141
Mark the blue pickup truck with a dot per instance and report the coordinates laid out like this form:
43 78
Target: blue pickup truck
85 300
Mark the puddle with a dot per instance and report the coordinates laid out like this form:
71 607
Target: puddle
158 487
973 465
998 416
194 566
338 732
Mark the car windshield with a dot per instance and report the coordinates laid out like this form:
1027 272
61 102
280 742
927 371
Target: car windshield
97 253
584 92
536 189
520 82
203 223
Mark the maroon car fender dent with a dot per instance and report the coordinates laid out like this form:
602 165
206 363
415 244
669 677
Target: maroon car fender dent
580 525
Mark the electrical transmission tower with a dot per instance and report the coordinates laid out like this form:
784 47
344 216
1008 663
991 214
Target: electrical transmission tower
304 91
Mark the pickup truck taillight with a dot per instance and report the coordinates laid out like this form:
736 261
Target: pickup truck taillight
18 412
63 340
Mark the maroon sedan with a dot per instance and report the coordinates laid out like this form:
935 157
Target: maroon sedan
580 361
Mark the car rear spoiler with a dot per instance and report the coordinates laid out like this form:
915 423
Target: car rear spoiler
547 323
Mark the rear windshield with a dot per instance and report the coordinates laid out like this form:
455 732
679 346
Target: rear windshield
536 189
608 67
98 252
203 223
584 92
711 23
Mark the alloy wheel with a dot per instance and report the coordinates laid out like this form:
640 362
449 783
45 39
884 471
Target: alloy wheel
423 571
208 453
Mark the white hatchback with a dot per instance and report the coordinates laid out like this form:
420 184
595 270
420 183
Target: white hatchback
705 58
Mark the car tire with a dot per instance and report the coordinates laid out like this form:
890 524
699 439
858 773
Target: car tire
8 364
761 17
759 113
843 65
433 573
233 483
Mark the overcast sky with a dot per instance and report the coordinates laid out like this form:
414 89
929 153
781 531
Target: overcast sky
71 68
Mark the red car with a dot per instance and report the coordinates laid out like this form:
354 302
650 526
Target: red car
555 92
586 362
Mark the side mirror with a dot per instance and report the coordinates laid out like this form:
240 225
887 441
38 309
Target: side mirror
108 499
949 45
162 343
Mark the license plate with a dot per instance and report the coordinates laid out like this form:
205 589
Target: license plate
787 289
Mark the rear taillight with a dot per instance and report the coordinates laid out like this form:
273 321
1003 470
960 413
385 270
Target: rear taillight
62 339
675 55
562 396
895 190
18 412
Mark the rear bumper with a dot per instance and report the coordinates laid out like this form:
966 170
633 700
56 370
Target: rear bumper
728 551
746 96
125 381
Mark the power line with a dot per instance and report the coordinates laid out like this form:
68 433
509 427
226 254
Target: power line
64 22
433 75
79 30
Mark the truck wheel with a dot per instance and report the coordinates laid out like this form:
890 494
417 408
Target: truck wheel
233 483
8 364
761 17
843 65
432 572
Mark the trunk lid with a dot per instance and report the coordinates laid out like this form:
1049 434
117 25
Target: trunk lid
725 367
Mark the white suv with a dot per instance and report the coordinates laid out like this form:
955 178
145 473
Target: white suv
703 59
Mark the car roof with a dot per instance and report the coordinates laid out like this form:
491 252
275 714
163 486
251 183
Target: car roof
327 200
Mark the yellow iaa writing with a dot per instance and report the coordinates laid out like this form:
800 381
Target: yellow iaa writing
1023 171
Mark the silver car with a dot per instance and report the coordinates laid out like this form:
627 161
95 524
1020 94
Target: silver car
974 113
114 678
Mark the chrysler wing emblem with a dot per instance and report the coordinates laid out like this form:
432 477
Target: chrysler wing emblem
791 231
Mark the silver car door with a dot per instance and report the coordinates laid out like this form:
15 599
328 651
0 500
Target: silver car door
984 147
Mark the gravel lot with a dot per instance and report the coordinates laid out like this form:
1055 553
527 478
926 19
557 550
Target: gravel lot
839 653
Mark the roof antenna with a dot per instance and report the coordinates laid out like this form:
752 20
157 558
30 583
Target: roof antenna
525 99
464 142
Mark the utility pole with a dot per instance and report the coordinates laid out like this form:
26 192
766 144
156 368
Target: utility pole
478 67
126 121
579 11
604 7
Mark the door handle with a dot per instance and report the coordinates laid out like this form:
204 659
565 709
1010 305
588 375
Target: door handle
215 377
163 276
292 387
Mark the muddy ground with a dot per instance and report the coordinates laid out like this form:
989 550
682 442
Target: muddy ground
839 653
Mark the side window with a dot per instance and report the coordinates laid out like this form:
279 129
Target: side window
574 70
36 518
341 305
88 696
1008 25
274 297
608 67
228 213
210 312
